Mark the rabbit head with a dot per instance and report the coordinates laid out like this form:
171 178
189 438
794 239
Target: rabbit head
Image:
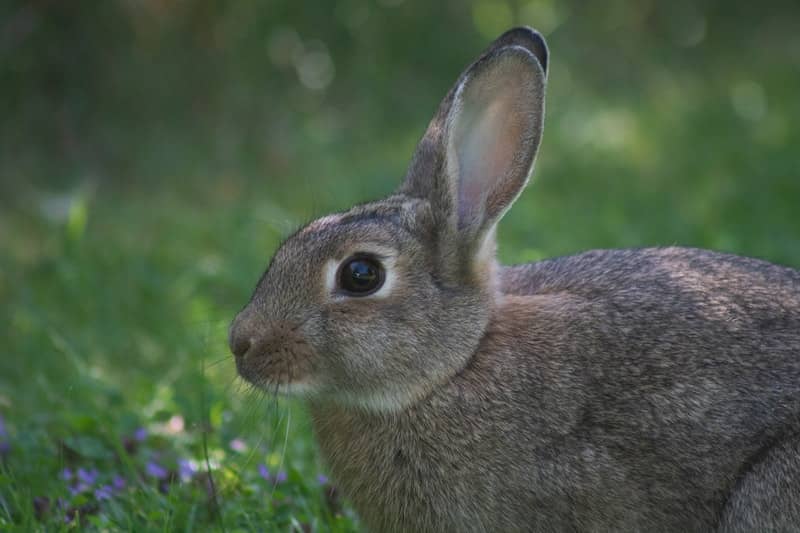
375 306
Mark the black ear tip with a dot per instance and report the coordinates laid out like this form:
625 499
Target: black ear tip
527 38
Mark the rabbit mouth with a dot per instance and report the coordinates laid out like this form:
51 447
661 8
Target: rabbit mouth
273 356
282 371
280 361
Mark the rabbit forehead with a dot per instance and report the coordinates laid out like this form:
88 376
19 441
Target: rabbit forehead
390 224
338 236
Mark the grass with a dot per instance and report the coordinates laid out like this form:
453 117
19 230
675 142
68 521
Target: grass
116 292
117 362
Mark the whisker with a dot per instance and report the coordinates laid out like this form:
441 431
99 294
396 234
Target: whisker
283 454
219 361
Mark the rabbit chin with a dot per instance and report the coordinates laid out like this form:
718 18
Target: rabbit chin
298 387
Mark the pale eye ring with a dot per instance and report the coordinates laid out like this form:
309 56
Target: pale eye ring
360 275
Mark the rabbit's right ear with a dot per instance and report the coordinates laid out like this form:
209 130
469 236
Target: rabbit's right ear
478 151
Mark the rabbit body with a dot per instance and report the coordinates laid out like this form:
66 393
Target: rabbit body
616 390
628 390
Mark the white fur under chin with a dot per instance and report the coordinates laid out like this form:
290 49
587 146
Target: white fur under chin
296 389
381 402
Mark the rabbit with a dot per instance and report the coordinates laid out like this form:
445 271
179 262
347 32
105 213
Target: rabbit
653 389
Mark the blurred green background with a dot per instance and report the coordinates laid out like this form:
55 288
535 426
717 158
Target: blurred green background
154 153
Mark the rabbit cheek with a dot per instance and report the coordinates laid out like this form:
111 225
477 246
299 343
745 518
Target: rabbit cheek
355 338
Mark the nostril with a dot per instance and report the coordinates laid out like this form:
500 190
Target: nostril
239 345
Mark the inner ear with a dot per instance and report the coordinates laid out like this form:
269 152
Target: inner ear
494 127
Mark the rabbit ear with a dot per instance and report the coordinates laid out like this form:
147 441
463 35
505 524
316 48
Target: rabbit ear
477 153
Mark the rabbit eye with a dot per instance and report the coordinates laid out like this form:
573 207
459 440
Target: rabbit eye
361 275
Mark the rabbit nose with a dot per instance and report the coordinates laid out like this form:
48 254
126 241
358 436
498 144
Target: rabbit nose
239 338
239 345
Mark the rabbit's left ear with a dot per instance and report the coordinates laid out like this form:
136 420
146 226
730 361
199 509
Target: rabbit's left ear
478 151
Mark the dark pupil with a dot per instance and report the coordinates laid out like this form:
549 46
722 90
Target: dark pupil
360 275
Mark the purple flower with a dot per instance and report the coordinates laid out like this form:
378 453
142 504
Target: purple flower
155 470
281 477
322 479
175 425
263 472
79 488
238 445
103 493
87 477
118 482
140 435
186 469
66 474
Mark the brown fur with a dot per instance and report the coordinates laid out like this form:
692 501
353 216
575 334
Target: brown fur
589 405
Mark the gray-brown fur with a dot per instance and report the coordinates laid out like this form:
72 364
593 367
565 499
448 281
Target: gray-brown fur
648 390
